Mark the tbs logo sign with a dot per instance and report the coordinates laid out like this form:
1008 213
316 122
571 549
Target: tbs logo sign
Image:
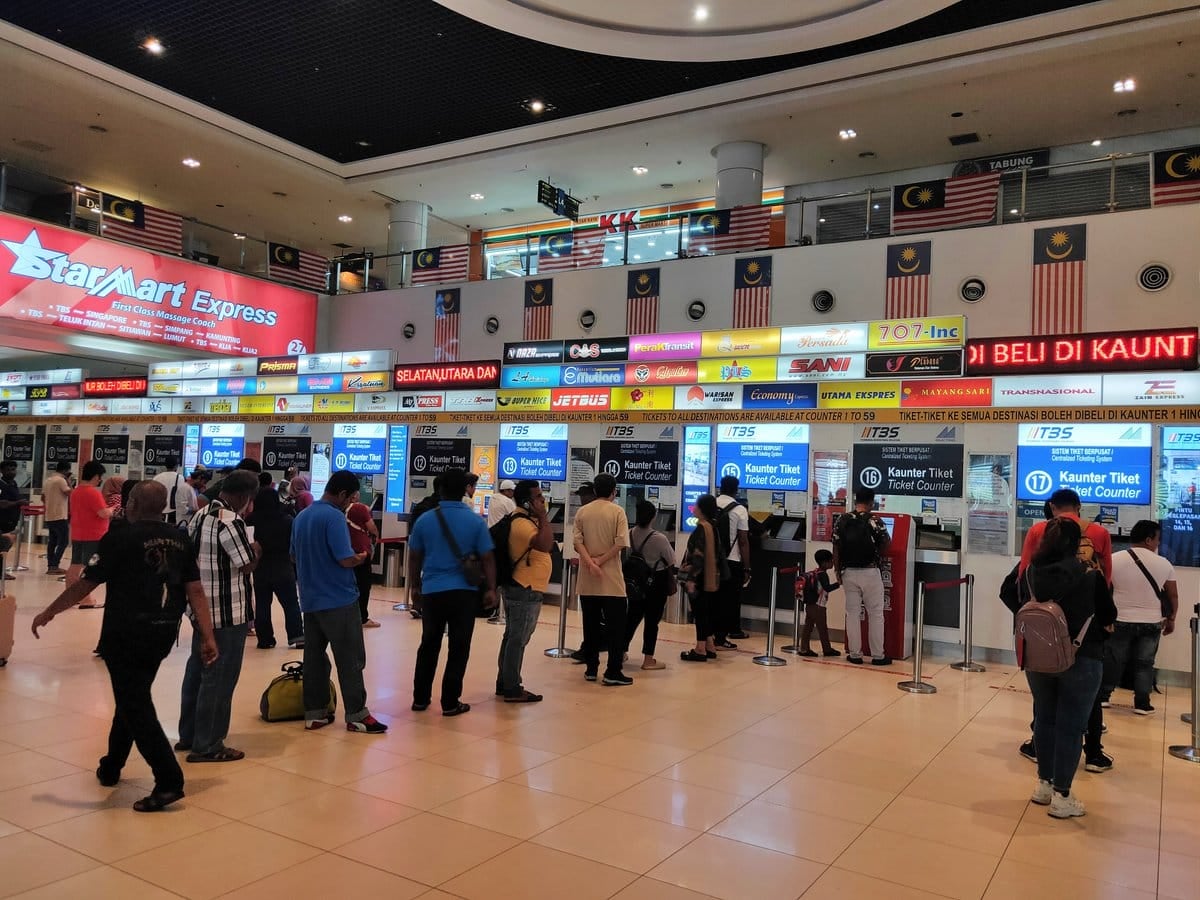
736 432
619 431
1184 439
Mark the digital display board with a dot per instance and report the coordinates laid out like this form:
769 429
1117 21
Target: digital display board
283 451
397 469
360 448
640 462
1177 496
909 470
533 451
115 387
764 457
62 448
1102 463
222 444
1105 351
111 448
483 374
697 471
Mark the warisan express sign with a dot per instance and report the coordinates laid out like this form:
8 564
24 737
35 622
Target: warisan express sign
75 280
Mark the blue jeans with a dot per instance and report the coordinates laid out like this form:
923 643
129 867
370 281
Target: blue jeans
278 579
1136 639
1062 705
58 538
522 606
207 696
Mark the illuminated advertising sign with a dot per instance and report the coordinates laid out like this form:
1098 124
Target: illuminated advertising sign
780 396
470 401
686 345
158 448
382 402
909 470
709 397
946 392
1161 388
641 462
485 374
1109 351
236 387
917 334
579 399
745 341
1102 463
71 279
364 382
764 457
111 448
737 371
397 469
275 384
662 373
360 448
927 362
115 387
592 375
319 363
283 451
362 361
279 365
533 451
239 367
433 456
850 337
319 384
642 398
1047 390
222 444
538 401
697 475
533 352
821 368
859 394
529 376
256 406
55 376
423 400
333 403
291 404
218 407
597 350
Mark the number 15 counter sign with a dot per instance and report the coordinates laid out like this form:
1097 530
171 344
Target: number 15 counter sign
361 448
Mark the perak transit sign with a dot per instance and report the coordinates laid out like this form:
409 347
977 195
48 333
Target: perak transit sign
74 280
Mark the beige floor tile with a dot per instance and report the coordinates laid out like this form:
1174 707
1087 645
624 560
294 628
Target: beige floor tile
1074 850
1023 881
798 832
85 753
54 730
105 883
557 735
238 791
26 767
635 753
1178 876
531 871
582 779
720 773
495 759
44 802
652 889
336 763
217 861
28 860
427 848
920 863
421 785
329 875
840 884
838 799
331 818
722 868
6 747
676 803
883 771
617 838
947 824
7 828
1181 836
511 809
778 753
422 741
1006 797
118 832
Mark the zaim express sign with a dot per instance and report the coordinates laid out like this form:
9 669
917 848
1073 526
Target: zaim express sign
71 279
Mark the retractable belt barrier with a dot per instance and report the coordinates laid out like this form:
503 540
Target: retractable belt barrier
569 572
1191 752
769 658
917 686
968 664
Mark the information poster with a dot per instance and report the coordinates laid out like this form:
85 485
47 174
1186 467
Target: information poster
433 455
283 451
764 457
360 448
641 462
397 469
989 502
483 465
909 470
697 471
1102 463
62 448
830 483
111 449
533 451
191 447
320 468
1177 496
222 444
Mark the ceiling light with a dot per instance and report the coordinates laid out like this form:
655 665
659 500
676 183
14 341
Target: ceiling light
867 154
821 221
345 218
1014 212
362 143
1124 86
640 170
477 196
153 45
637 256
238 237
700 13
536 106
847 134
1097 142
192 163
876 206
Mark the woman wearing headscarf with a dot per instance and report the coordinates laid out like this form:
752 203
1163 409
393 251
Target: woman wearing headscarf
275 574
702 572
112 492
299 491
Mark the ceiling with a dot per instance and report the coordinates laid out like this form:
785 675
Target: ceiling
1033 80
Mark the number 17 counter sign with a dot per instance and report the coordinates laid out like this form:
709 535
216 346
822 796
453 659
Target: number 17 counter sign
1101 463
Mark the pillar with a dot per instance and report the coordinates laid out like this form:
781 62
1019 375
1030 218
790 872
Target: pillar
739 173
408 229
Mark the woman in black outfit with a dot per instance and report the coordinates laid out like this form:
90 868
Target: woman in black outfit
703 570
275 573
1063 700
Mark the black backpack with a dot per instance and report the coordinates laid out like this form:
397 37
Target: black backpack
857 545
506 566
724 524
640 576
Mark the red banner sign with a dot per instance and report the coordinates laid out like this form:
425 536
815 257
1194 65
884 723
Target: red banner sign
71 279
943 392
115 387
485 374
1106 351
661 373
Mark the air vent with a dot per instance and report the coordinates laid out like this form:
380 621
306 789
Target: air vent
972 290
696 310
1154 277
587 320
491 325
823 301
957 140
410 331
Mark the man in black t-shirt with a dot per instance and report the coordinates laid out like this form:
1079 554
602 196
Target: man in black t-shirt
150 569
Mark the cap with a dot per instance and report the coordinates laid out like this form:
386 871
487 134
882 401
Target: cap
508 485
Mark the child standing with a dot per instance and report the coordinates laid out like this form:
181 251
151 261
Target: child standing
817 587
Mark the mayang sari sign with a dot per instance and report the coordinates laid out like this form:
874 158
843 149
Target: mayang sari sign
71 279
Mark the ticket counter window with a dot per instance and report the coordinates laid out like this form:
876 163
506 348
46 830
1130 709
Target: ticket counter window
1177 495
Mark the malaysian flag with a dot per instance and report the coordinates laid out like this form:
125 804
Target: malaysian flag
570 250
295 266
539 309
953 203
724 230
641 302
135 223
908 269
1176 176
752 292
1059 265
436 264
445 325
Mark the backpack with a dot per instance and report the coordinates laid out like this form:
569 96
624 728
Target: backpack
640 576
506 566
856 541
808 586
724 527
1044 642
1086 553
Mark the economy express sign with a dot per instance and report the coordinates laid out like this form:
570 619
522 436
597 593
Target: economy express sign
533 451
1102 463
74 280
764 457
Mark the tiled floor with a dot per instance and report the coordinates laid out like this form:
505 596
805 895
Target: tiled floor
723 780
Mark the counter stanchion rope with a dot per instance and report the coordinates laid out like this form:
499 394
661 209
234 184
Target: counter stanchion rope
769 658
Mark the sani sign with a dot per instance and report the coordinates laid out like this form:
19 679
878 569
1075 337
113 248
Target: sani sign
764 457
222 445
533 451
1102 463
71 279
360 448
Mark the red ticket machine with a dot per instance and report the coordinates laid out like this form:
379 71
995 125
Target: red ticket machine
897 587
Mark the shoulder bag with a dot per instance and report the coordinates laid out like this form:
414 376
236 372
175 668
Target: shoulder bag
1164 601
472 565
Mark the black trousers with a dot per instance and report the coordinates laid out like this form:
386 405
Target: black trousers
135 721
604 626
650 609
727 617
704 611
362 578
452 611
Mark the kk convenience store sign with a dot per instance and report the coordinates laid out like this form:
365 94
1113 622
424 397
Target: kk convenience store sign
71 279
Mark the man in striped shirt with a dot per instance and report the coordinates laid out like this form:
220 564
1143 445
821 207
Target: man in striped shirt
225 557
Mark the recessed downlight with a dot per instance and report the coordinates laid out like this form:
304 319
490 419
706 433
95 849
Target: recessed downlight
238 237
1097 142
345 218
700 14
191 163
639 170
153 46
477 196
536 106
847 134
1124 86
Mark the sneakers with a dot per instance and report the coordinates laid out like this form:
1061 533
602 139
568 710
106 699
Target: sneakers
726 645
297 645
1097 762
1043 794
618 679
1065 807
1143 708
831 652
1105 704
369 725
315 724
856 660
1028 750
882 661
589 676
738 635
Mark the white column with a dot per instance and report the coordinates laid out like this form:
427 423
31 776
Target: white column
408 228
739 173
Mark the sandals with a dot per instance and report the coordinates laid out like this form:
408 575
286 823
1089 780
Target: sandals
693 656
523 697
656 665
457 710
157 801
225 754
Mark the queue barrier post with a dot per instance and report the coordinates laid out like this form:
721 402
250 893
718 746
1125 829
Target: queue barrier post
769 658
917 686
967 664
395 570
794 646
1191 752
24 538
569 572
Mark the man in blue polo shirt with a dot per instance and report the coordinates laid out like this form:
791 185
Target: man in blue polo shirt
325 565
436 547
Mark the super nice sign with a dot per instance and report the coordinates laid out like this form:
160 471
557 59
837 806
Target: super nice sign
1110 351
70 279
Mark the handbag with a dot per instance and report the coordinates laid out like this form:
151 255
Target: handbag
283 700
472 565
1164 600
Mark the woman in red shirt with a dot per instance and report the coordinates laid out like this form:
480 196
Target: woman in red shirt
363 535
90 515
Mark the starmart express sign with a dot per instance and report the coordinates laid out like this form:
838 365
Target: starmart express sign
70 279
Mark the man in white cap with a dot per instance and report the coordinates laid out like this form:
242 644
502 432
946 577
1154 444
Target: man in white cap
499 506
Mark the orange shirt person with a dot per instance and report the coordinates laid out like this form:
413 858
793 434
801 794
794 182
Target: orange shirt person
90 515
1065 503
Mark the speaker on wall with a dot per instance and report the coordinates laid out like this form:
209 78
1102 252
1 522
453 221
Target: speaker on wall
823 301
1154 276
409 331
972 290
696 310
587 320
491 325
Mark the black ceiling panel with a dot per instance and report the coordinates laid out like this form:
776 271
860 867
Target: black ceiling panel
355 79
